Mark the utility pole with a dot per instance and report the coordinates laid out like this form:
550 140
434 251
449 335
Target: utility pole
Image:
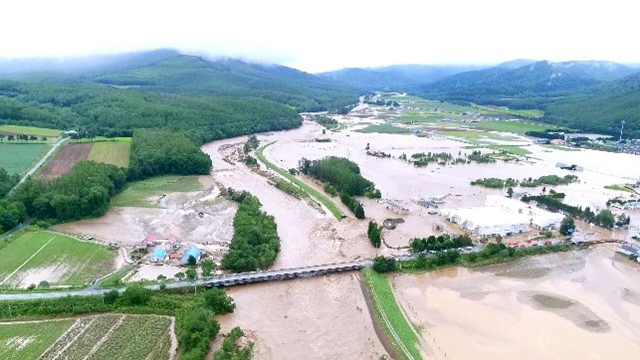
621 130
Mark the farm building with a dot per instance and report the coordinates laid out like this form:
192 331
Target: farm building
489 221
629 249
191 251
541 219
158 255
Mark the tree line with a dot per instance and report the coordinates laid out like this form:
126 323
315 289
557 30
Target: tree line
439 243
255 243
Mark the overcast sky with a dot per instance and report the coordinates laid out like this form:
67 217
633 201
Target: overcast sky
325 35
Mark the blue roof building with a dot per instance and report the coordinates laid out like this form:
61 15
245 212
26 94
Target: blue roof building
191 251
158 255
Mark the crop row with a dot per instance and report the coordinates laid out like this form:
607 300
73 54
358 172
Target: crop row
76 330
161 351
135 339
83 344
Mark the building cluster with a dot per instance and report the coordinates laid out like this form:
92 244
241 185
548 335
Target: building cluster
170 251
502 216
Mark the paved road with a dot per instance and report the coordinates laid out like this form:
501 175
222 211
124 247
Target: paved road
37 165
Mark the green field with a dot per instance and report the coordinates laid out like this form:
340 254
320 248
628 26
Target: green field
111 152
29 130
26 341
513 149
518 127
136 194
101 139
117 337
16 158
318 196
390 316
619 188
65 261
385 129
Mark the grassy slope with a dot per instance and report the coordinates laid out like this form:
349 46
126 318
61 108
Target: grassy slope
85 260
136 194
111 152
384 129
385 303
318 196
42 335
16 158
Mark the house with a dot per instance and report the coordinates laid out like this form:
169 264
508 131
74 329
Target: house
191 251
629 249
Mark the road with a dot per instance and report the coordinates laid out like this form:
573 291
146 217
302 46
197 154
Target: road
42 160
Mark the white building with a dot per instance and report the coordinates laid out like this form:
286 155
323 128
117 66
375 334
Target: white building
489 221
542 219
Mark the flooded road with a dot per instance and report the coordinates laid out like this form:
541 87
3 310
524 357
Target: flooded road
576 305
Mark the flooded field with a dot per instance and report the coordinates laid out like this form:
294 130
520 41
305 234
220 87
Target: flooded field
535 308
315 318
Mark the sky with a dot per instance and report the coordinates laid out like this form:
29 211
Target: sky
325 35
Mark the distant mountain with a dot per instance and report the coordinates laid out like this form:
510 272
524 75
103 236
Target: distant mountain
395 77
230 77
513 64
85 65
541 78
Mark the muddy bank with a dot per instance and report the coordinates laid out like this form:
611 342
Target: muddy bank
315 318
535 308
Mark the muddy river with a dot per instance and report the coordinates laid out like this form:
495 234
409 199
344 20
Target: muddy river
577 305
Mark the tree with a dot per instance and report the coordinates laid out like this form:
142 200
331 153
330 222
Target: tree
136 295
605 218
510 192
567 226
373 232
43 284
192 261
207 267
217 301
111 296
191 274
180 276
382 264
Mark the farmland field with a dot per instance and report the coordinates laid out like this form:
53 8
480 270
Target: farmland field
137 193
94 337
111 152
28 340
28 130
65 159
16 158
33 256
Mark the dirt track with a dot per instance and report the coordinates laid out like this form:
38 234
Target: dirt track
68 156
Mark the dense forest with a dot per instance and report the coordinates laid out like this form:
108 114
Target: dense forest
83 192
7 182
98 110
161 152
341 173
185 74
255 243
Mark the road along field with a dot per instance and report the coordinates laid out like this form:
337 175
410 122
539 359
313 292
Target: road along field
97 337
65 159
111 152
32 256
16 158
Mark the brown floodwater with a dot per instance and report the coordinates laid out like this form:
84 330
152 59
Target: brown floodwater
576 305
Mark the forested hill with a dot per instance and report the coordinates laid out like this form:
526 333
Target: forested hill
542 79
186 74
98 110
396 77
601 109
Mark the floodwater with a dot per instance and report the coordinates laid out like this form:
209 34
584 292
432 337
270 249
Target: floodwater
576 305
314 318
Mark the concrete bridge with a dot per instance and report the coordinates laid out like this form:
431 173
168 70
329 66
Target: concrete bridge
213 281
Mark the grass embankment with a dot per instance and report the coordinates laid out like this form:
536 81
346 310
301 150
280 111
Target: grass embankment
619 188
73 262
390 315
16 158
318 196
136 194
